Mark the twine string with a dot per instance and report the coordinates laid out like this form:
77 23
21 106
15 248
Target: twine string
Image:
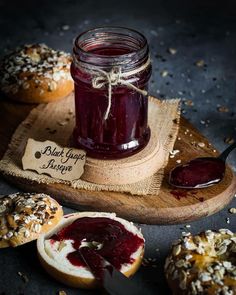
113 78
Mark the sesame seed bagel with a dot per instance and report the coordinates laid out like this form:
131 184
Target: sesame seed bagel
53 254
203 264
24 216
36 74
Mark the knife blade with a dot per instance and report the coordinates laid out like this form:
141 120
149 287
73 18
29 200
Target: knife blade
110 278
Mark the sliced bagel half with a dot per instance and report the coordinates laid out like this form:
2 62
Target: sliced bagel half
116 239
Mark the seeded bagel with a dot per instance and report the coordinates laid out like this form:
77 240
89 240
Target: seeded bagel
36 74
203 264
23 217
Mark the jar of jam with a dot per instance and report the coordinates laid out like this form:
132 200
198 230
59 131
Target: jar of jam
111 68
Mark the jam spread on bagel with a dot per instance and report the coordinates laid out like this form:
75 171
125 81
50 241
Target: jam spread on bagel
108 237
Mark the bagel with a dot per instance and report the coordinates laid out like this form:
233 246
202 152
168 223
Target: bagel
36 74
203 264
24 216
56 248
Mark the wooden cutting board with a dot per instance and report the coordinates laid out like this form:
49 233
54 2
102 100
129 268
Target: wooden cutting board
170 206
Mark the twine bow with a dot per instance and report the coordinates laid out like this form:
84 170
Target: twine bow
113 78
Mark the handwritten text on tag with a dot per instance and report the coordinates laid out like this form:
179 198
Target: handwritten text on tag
49 158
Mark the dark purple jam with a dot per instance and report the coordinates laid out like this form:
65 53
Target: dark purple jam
200 172
118 244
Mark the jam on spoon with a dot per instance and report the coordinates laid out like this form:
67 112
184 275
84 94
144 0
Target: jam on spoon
200 172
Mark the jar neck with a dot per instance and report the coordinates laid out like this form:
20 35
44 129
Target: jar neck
110 47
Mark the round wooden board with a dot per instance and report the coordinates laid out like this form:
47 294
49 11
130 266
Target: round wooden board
162 209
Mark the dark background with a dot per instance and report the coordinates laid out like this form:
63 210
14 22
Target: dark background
198 30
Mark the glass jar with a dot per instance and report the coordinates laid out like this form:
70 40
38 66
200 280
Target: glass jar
111 68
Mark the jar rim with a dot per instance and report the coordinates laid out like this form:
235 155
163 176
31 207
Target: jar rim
141 51
97 29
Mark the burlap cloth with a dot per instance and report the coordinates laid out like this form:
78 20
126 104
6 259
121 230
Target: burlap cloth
55 122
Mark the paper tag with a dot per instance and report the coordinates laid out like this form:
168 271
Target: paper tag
49 158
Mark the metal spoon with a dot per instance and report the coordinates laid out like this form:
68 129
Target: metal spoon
200 172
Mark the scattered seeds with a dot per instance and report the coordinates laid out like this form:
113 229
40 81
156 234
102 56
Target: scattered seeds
189 103
23 277
178 161
150 262
201 144
200 63
172 50
173 153
222 109
227 220
65 27
229 140
232 210
154 33
164 73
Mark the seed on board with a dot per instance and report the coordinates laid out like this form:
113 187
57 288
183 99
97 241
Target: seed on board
201 144
189 102
65 27
232 210
229 140
172 50
173 153
164 73
200 63
23 277
222 109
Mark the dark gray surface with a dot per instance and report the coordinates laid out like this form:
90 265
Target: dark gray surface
198 31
